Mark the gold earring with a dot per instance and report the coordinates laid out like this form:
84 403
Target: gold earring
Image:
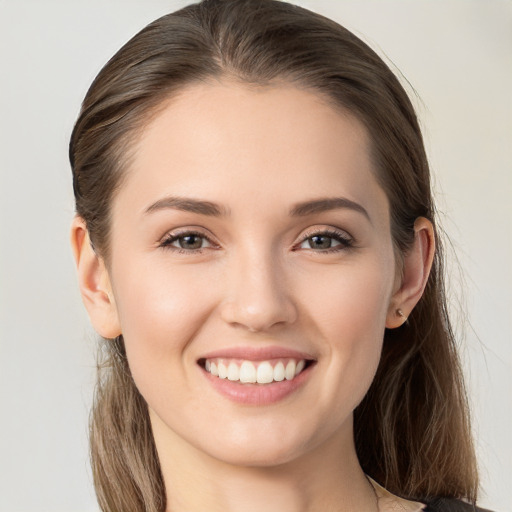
400 313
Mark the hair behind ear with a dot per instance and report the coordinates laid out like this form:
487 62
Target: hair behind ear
125 465
412 429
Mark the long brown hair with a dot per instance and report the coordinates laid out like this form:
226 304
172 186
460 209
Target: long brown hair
412 429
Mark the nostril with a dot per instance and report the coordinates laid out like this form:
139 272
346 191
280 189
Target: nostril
258 306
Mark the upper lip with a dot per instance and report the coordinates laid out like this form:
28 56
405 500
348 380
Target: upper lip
257 353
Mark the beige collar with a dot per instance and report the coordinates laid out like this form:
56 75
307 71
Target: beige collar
388 502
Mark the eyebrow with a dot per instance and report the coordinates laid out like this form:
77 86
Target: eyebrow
326 204
188 205
214 210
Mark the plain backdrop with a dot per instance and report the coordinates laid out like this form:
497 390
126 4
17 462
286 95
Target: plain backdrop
455 59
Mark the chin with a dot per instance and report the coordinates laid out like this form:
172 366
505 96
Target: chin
263 443
260 457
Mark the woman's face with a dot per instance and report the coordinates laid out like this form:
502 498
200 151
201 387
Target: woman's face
250 238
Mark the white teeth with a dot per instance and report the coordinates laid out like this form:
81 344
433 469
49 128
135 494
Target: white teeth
290 370
223 371
279 372
247 372
265 373
251 372
233 372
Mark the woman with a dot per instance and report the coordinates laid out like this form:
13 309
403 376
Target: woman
255 239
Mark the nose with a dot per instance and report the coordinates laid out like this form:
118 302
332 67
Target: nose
257 297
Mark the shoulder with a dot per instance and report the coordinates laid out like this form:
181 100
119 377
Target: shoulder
451 505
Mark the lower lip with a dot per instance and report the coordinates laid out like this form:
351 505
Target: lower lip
258 394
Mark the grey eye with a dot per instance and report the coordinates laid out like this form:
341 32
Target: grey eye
191 242
319 242
187 241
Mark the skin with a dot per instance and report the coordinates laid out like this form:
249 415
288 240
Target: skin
258 280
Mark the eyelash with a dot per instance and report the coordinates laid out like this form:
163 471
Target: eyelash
345 241
174 237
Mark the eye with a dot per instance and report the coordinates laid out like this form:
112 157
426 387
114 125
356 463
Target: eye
326 241
188 241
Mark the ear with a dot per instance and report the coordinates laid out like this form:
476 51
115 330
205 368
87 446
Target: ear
94 282
415 271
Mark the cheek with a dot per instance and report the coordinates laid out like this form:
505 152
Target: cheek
350 316
159 311
351 300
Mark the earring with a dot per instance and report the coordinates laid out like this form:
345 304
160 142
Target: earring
400 313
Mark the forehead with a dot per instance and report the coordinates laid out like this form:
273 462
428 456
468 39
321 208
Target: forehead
226 140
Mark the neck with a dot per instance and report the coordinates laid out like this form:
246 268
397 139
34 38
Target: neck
329 479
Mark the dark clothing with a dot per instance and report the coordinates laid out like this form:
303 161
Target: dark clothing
451 505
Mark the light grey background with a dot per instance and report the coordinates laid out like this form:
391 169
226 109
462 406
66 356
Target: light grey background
458 56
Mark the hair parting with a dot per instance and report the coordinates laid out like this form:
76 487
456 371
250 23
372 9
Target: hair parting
412 429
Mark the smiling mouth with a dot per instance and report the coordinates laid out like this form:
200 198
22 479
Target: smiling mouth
255 372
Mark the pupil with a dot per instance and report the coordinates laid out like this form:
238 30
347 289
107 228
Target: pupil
320 242
190 242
